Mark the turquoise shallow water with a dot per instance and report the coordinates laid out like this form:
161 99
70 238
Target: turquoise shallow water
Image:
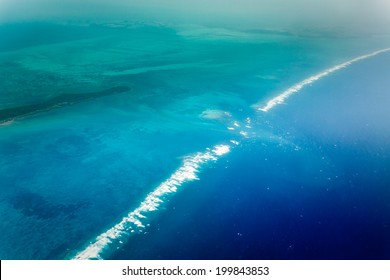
75 159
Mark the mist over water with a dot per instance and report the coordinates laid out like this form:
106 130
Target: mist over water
194 129
355 15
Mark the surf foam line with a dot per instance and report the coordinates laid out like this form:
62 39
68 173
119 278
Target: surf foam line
297 87
134 222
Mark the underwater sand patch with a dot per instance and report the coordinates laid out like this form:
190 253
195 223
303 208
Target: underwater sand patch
214 114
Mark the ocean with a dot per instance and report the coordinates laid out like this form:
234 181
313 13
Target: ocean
151 141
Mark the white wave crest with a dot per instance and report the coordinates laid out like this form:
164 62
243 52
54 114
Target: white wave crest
297 87
133 222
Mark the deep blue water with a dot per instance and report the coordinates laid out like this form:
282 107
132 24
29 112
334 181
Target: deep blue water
265 214
307 180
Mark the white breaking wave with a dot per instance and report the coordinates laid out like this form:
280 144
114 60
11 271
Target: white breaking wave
133 222
297 87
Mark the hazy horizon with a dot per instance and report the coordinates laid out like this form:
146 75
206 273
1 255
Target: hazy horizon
359 15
